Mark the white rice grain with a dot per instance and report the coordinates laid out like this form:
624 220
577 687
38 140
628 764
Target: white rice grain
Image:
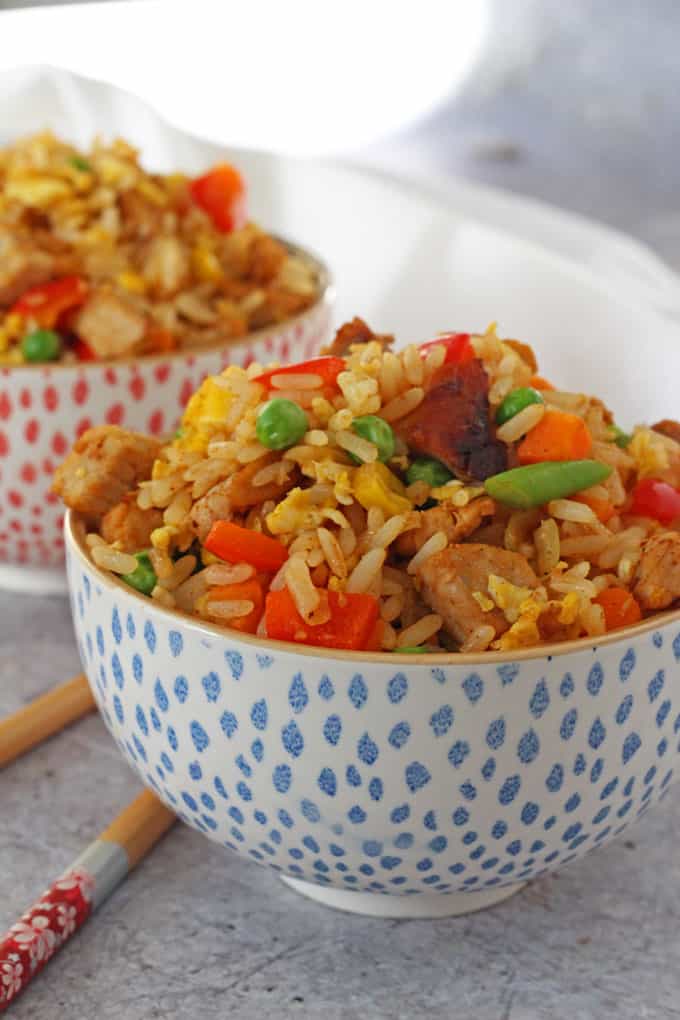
182 571
332 551
365 571
547 542
111 559
165 598
296 381
389 531
229 609
420 632
299 584
361 448
436 543
413 365
403 404
228 573
571 510
521 423
479 639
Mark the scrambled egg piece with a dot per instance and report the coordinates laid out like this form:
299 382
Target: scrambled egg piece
375 485
522 608
295 513
327 471
649 449
36 190
511 598
206 411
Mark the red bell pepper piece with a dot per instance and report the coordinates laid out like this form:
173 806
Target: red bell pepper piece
657 499
328 368
352 623
48 301
242 545
83 352
459 349
221 192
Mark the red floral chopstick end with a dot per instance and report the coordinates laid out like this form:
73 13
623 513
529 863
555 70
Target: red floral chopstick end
42 930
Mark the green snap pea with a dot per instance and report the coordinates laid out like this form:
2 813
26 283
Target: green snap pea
411 650
280 424
516 402
536 484
376 430
41 345
621 438
428 470
143 577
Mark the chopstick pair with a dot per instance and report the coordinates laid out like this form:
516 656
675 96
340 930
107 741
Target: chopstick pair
65 906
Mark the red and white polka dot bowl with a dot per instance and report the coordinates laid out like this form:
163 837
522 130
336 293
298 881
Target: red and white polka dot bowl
43 410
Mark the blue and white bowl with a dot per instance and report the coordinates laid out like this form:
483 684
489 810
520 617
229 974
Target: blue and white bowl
391 785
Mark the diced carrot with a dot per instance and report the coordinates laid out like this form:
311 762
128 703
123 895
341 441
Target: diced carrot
250 591
558 436
602 508
159 340
221 192
620 608
243 545
539 383
374 643
351 624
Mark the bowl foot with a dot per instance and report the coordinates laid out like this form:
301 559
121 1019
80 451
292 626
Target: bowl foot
423 905
29 580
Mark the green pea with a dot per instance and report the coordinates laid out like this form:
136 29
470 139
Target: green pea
280 424
536 484
516 402
143 577
41 345
621 438
178 434
80 164
426 469
376 430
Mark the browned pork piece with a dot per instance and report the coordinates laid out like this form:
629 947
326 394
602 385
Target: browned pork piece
129 525
356 332
525 352
104 464
237 494
657 580
453 424
668 428
450 579
456 523
22 265
110 325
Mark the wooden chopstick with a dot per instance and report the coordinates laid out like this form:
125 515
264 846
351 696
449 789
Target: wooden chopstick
63 909
44 717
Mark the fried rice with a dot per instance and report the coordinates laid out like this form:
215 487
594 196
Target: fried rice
390 518
118 261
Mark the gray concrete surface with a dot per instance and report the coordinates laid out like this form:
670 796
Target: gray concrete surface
575 103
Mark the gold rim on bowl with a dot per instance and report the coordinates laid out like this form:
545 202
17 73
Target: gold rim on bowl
74 534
